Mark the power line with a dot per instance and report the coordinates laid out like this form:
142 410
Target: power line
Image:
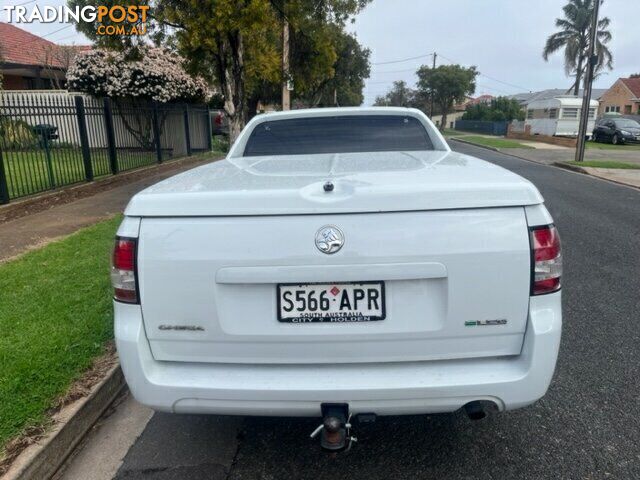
24 3
64 38
512 85
56 31
492 88
519 87
403 60
396 71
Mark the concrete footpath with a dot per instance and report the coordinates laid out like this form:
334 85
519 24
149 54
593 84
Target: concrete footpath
33 231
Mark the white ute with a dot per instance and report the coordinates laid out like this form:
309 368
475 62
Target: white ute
338 259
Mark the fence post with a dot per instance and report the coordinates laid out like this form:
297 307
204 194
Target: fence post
84 138
156 132
187 131
209 130
4 189
111 136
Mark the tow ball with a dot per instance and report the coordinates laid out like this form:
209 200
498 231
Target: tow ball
335 429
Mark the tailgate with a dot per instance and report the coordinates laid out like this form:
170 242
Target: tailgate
455 284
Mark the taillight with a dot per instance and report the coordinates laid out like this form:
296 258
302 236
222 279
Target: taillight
123 270
546 259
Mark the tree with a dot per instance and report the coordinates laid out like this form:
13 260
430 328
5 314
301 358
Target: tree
157 76
574 36
343 84
400 95
236 44
449 84
499 109
57 59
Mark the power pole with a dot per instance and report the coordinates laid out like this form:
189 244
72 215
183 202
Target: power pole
286 79
586 99
435 56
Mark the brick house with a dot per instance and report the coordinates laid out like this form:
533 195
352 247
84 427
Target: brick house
29 62
623 97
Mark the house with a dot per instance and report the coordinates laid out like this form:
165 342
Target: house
460 109
486 99
623 97
29 62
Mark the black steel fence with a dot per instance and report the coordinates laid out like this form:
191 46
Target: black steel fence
53 139
490 128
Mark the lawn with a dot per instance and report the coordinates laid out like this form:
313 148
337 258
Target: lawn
610 146
606 164
55 318
28 171
496 142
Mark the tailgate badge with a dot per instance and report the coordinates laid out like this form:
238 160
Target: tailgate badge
485 323
329 239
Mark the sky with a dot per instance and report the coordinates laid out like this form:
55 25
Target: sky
502 38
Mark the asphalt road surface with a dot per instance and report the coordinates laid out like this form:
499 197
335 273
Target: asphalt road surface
586 427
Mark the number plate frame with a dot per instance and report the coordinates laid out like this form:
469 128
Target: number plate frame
332 319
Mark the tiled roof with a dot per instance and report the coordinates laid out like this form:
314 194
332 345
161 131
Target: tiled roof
23 48
632 84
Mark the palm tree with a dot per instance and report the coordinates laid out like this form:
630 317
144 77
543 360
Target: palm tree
574 36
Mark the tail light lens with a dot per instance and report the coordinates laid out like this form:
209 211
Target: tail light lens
546 260
123 270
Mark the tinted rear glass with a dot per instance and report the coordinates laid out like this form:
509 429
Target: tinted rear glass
339 134
627 123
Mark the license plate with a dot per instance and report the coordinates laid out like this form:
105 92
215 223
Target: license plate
331 302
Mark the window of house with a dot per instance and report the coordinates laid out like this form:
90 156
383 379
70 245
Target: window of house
570 112
553 113
529 114
627 109
592 112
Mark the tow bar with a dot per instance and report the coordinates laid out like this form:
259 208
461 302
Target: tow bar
335 429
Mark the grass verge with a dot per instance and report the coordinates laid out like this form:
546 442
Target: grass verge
606 164
494 142
55 318
610 146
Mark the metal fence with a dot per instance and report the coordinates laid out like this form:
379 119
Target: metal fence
53 139
490 128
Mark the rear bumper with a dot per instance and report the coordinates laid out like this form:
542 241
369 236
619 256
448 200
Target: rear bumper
385 389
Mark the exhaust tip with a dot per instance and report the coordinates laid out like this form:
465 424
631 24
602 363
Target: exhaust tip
475 410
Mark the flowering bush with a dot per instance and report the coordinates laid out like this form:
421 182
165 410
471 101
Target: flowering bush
158 76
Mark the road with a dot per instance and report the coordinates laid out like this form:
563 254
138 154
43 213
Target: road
586 427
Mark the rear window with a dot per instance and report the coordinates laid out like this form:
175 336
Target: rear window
339 134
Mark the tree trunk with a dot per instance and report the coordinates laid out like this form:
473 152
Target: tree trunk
443 124
576 86
232 81
252 106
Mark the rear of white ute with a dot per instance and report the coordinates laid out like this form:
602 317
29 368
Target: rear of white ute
404 280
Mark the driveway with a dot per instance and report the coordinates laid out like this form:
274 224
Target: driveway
586 427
